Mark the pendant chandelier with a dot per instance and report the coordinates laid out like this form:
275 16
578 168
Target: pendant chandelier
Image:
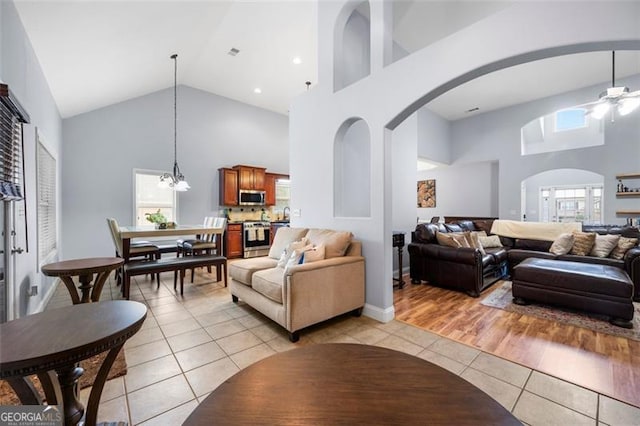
175 180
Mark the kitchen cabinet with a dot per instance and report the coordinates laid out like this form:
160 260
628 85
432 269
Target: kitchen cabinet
270 181
233 241
249 177
228 187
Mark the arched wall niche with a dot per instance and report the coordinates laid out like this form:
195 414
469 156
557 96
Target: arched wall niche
352 44
352 169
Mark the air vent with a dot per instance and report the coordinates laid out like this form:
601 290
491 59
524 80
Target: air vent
233 51
473 109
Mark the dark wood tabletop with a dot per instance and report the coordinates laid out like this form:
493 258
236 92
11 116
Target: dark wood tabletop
347 384
59 338
84 269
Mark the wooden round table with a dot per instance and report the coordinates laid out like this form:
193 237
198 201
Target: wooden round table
51 343
84 270
347 384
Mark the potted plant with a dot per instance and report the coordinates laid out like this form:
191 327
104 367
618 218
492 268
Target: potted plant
158 219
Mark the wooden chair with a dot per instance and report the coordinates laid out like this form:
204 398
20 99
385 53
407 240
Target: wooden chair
207 243
139 249
180 243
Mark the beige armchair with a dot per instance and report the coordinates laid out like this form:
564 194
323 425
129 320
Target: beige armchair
303 294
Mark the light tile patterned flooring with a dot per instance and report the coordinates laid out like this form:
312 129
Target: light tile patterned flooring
189 345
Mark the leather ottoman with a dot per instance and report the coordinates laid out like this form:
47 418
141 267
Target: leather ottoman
600 289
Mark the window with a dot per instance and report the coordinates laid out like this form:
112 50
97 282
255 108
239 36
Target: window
47 228
570 119
571 204
149 198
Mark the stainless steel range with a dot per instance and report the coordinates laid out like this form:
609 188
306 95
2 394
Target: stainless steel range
255 241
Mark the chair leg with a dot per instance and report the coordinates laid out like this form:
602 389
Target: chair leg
208 251
175 279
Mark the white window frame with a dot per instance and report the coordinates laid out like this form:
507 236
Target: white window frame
47 202
588 210
157 173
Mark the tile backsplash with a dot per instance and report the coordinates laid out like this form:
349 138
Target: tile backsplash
240 214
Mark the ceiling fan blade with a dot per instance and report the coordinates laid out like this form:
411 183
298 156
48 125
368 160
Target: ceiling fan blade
632 94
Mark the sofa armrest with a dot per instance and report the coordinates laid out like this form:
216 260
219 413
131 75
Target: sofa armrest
317 291
632 266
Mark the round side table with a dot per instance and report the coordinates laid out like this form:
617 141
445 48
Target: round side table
51 342
84 270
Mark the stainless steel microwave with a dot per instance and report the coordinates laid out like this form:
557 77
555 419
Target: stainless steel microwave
250 197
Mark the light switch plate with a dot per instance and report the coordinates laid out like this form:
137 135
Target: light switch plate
297 213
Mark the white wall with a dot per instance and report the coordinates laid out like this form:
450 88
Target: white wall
393 92
434 136
103 147
495 135
403 190
19 68
463 190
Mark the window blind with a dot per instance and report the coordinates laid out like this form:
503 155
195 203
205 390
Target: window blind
12 115
46 203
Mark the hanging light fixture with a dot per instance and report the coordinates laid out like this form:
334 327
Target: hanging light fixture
175 180
614 98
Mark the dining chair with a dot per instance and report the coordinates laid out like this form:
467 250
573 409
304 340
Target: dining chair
180 242
207 243
138 249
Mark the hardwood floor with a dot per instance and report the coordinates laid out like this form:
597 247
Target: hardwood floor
606 364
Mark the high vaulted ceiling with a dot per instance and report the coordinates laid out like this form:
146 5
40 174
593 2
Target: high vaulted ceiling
96 53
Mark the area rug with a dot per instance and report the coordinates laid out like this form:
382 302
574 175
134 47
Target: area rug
501 298
91 367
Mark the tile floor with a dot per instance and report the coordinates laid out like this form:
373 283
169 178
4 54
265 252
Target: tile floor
189 345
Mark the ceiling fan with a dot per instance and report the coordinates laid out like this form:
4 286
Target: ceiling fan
614 98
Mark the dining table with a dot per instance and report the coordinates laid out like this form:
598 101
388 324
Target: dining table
151 231
347 384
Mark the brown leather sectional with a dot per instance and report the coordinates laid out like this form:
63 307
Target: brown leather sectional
465 269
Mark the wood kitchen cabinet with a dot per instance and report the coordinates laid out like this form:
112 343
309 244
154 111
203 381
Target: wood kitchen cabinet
233 241
250 177
270 180
228 187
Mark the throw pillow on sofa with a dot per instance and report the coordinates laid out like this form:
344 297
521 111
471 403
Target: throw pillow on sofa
452 239
335 243
285 236
474 242
314 254
583 243
491 241
295 258
624 244
287 252
604 245
562 244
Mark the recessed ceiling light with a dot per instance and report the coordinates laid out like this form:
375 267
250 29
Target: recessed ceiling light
257 90
297 60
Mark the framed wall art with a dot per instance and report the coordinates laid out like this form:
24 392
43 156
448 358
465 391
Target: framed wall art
427 193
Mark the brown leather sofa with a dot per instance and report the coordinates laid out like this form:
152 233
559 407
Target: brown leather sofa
463 269
521 249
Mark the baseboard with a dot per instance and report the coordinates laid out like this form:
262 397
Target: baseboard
47 297
378 314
